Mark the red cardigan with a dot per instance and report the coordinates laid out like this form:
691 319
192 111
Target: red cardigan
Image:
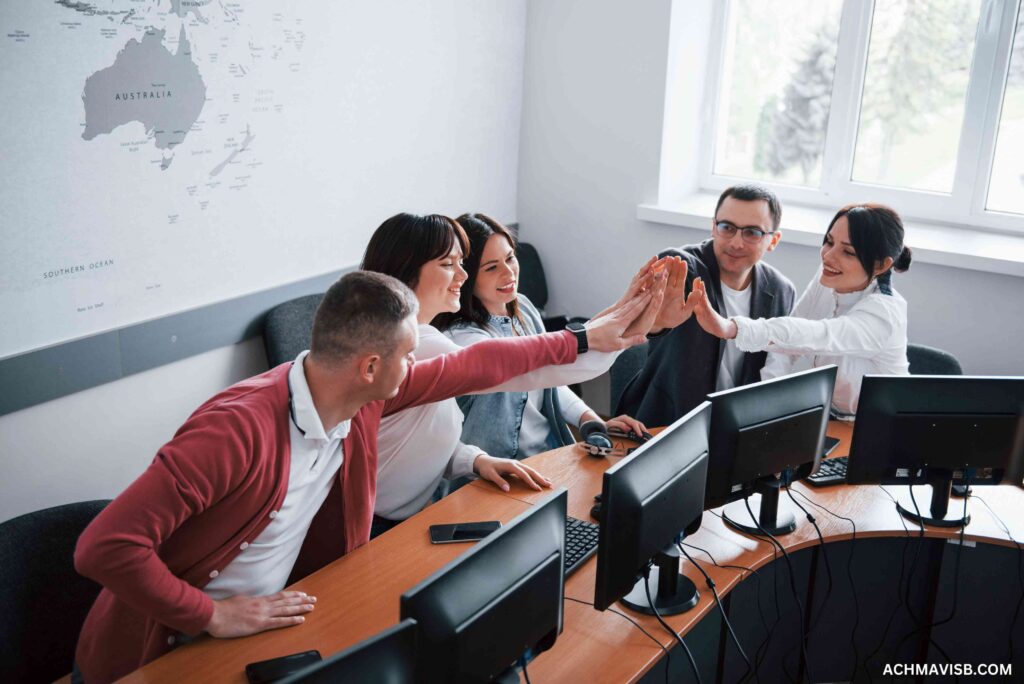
219 481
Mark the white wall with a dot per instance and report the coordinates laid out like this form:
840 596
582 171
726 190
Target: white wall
92 444
593 103
429 106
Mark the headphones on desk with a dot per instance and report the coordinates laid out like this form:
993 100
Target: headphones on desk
598 443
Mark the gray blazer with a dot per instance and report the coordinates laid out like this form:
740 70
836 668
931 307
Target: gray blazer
682 363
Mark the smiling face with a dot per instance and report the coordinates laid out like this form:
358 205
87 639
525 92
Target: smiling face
439 285
841 270
497 279
735 255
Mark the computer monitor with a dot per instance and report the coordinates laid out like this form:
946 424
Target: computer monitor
649 499
765 435
483 611
935 430
385 658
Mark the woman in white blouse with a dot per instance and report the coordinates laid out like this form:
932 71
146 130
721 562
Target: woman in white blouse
419 446
849 315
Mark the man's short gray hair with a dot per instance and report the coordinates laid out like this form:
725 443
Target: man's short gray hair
361 313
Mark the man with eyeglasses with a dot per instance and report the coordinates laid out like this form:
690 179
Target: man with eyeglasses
684 363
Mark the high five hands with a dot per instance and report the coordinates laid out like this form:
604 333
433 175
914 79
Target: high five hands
676 307
710 320
627 322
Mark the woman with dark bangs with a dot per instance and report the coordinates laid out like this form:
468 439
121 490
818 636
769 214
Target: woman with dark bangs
420 446
512 424
849 315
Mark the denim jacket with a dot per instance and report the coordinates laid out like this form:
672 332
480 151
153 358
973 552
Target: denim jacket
492 421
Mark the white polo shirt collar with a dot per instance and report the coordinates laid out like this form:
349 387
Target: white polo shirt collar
303 412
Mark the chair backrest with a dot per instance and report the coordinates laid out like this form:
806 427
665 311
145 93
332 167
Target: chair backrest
931 361
288 328
531 275
44 601
625 367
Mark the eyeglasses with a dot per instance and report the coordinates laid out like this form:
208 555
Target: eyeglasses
751 235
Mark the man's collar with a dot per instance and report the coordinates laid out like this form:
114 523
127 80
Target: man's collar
303 411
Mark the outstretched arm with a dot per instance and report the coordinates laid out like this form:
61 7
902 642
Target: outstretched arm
862 332
491 362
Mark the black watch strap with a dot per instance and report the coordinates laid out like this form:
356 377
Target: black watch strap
580 332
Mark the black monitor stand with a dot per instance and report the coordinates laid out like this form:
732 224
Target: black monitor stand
936 494
764 500
671 591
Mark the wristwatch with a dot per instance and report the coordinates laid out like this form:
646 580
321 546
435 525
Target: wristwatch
580 332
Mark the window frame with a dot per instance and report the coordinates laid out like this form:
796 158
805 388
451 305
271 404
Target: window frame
965 205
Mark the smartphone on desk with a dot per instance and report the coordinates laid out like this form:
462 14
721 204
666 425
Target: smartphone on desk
830 445
462 532
275 669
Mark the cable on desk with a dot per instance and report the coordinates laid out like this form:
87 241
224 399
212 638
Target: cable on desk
899 586
647 589
526 675
849 575
1020 576
956 582
824 555
792 585
668 655
760 610
762 649
718 600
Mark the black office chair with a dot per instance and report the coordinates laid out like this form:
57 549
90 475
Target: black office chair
534 285
624 369
44 601
931 361
288 328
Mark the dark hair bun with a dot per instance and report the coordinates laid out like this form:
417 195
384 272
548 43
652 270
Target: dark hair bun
902 262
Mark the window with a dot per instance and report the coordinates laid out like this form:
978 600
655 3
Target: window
916 103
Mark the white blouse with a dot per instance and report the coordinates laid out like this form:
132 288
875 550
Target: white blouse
861 332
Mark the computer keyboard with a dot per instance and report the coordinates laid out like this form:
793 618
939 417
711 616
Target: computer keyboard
580 543
831 471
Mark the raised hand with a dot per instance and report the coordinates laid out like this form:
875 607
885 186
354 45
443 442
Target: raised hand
676 308
244 615
641 281
615 330
710 320
640 327
497 469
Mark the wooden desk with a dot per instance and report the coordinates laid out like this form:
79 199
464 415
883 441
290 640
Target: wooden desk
359 594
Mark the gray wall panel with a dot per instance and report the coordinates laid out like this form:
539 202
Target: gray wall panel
46 374
38 376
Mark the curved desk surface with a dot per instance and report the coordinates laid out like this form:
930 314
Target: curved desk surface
358 595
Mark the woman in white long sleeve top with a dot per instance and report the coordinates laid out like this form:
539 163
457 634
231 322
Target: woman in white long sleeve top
849 315
419 446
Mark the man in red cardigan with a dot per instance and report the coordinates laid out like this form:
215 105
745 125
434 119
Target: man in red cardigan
192 544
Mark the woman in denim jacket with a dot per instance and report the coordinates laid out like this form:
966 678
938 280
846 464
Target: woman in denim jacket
419 447
509 424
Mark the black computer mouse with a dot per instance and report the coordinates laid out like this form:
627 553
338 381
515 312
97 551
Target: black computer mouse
643 437
596 511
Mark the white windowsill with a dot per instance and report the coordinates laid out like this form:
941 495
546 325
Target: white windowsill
932 243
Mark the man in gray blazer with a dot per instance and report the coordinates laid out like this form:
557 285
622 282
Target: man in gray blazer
684 363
